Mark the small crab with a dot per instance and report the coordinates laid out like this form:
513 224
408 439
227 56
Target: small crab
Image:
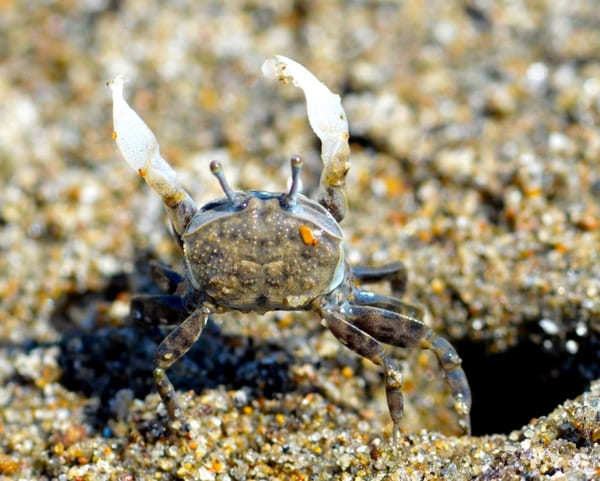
259 251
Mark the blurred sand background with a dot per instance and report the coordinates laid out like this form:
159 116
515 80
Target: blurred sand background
475 160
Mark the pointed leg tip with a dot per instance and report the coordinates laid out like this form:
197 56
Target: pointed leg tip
463 409
465 425
396 434
179 428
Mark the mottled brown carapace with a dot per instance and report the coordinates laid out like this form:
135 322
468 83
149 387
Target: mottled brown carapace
255 259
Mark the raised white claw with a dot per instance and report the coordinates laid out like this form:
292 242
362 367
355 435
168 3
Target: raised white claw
325 115
140 149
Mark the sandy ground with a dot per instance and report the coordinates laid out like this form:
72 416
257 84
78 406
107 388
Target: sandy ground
475 161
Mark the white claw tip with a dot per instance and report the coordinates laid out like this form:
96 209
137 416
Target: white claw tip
138 144
325 114
116 84
269 69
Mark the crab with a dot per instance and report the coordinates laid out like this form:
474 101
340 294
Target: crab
256 251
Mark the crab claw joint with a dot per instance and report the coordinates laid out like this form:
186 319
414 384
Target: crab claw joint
140 149
325 115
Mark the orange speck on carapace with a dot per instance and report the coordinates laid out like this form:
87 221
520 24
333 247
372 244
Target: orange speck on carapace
307 235
142 172
114 135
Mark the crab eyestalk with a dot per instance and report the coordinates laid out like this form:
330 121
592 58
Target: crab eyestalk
292 195
140 149
328 121
217 171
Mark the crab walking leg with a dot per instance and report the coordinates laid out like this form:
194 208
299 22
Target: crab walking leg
397 330
459 385
166 279
175 345
328 121
140 149
362 343
368 298
158 310
394 272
